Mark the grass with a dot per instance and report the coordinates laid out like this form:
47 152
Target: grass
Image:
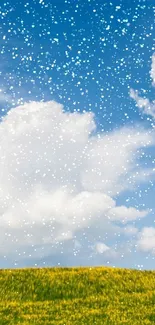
81 296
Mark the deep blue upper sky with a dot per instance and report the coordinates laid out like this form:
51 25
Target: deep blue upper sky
84 54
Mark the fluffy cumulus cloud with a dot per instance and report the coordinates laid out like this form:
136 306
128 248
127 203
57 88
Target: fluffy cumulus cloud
59 179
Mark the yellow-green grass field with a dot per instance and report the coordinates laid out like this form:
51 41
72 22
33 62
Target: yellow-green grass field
68 296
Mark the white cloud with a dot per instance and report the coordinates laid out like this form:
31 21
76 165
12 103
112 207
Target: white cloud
56 178
110 160
124 214
106 251
146 240
143 103
101 248
152 72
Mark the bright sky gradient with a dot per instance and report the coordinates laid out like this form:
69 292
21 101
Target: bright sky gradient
77 133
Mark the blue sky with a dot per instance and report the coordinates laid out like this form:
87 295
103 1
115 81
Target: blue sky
87 56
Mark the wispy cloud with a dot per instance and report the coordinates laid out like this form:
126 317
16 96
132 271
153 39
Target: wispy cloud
4 97
143 103
152 72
